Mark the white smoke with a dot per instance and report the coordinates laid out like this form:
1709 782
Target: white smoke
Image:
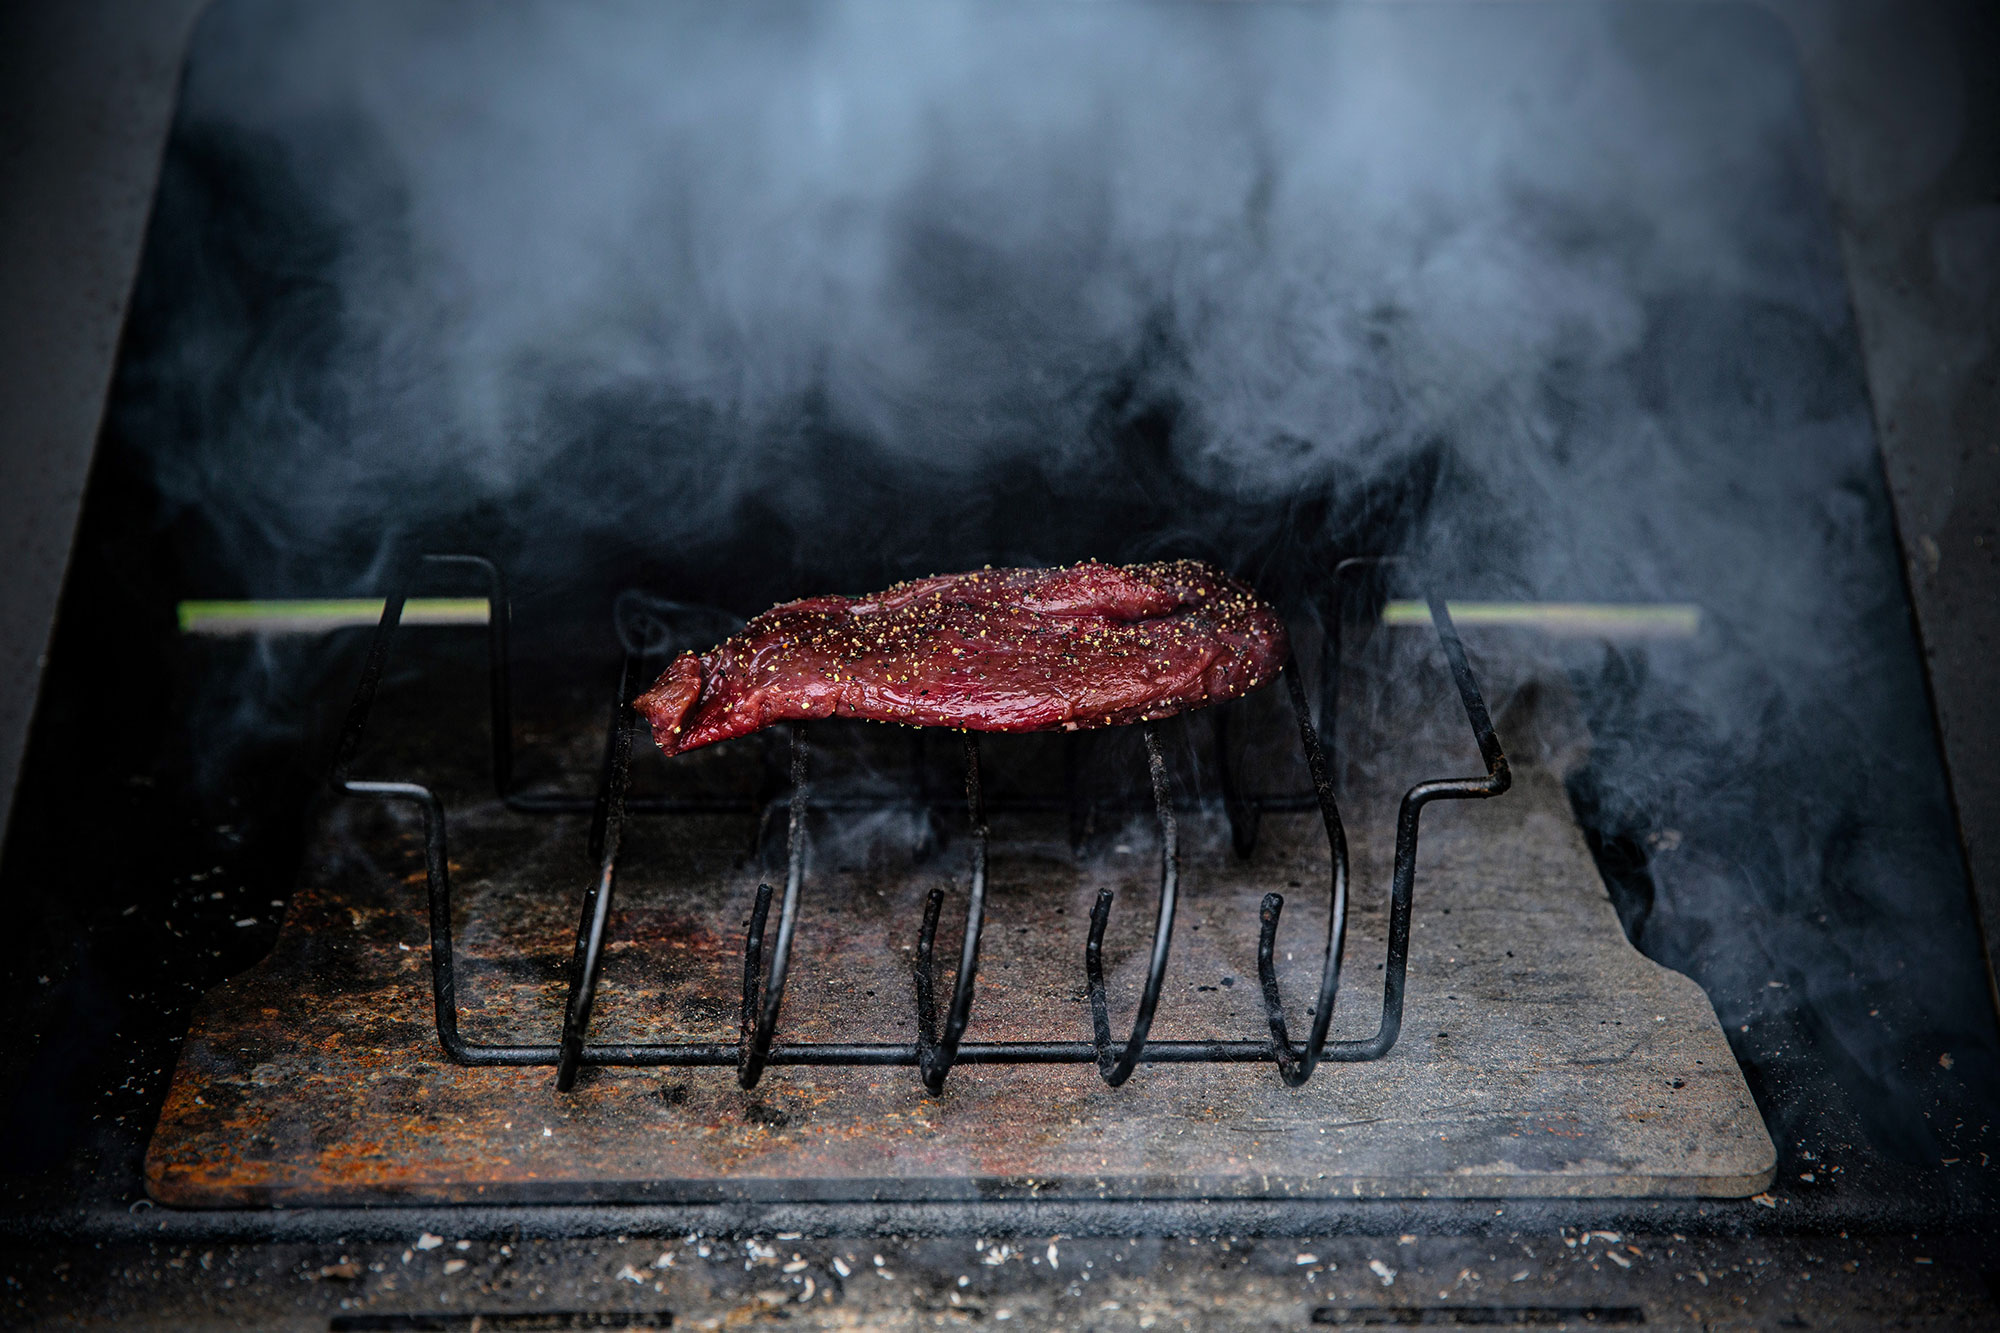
663 269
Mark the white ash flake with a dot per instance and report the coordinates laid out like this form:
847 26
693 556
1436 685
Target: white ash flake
429 1242
1383 1271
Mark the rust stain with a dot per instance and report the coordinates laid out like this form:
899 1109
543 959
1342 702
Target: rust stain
316 1076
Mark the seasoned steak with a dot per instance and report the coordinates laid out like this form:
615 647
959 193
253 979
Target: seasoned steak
1091 645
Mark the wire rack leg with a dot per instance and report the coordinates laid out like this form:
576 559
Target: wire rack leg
1296 1066
437 868
763 995
1115 1064
1408 815
500 692
607 836
935 1053
363 703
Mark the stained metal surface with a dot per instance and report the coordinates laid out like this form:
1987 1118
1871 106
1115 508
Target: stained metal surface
1546 1057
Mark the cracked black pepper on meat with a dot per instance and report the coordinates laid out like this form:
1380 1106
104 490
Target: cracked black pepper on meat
1088 645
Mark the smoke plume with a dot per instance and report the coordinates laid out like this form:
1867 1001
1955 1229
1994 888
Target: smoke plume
750 301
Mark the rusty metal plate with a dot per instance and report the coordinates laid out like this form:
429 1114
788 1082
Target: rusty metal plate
1541 1055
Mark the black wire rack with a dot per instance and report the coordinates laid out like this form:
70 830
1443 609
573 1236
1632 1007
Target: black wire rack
939 1047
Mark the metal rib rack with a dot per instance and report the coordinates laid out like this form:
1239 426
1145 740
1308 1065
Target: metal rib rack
939 1047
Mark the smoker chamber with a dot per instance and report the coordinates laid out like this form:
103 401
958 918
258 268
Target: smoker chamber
1553 301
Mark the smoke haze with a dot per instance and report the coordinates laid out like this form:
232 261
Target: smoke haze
767 299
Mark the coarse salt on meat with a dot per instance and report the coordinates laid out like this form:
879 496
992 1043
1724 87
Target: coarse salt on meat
1089 645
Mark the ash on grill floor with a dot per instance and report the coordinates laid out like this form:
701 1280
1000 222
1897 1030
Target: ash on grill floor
1541 1055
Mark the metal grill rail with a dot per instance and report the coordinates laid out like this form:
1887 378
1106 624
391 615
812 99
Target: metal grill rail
937 1049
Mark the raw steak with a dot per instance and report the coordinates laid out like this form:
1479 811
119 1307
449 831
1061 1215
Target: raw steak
1092 645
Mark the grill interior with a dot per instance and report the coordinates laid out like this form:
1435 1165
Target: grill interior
1544 302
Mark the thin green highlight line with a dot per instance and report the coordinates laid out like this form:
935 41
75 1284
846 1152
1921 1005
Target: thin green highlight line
1627 620
317 615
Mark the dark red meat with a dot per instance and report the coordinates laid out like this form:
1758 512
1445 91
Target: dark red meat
1091 645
